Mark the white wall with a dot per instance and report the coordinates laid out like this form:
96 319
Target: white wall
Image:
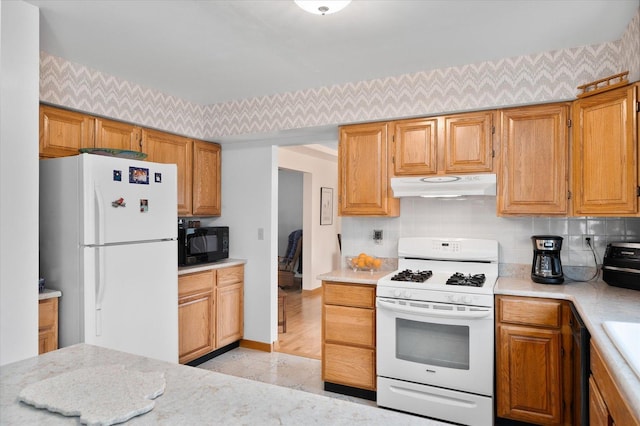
249 184
476 218
320 253
19 71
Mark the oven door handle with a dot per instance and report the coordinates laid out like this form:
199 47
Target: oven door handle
430 312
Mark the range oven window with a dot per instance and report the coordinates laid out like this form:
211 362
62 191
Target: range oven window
441 345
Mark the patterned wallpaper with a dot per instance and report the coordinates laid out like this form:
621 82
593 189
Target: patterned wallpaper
77 87
543 77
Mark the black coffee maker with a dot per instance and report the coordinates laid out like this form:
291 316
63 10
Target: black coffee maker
546 267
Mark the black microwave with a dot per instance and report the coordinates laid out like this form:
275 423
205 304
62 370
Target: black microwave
202 245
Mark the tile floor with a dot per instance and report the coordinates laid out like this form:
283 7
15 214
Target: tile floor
276 368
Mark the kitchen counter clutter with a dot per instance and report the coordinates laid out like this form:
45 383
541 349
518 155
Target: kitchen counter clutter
597 303
191 395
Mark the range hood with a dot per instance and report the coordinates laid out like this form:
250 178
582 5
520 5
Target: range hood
444 186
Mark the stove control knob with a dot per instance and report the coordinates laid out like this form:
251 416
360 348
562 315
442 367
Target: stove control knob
467 299
407 294
454 298
396 293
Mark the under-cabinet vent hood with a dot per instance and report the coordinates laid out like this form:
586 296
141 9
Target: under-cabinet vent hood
444 186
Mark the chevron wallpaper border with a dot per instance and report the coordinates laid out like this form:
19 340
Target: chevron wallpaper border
77 87
544 77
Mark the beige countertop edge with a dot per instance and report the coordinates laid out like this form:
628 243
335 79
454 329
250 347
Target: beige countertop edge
355 277
596 302
208 266
49 294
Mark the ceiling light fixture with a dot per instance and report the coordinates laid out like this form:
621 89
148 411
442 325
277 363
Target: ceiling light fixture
322 7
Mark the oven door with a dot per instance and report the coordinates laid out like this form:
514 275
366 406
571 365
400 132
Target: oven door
444 345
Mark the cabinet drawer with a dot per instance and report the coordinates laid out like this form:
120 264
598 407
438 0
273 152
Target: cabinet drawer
363 296
530 311
349 366
195 283
232 275
354 326
47 313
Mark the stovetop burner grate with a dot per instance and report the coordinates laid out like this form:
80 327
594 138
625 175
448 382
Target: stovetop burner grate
476 280
412 276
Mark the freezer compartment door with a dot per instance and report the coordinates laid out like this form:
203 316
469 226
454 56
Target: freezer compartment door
132 298
127 200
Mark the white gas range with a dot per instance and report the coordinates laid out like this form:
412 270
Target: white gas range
435 330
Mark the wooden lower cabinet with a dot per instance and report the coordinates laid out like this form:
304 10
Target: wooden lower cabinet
196 315
47 325
533 360
230 306
607 406
348 335
210 311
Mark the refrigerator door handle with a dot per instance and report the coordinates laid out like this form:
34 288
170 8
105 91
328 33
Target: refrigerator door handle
100 284
99 214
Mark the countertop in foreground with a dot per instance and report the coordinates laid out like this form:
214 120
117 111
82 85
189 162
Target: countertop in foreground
192 396
596 302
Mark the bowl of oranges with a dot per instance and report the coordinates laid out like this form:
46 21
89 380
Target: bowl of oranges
364 262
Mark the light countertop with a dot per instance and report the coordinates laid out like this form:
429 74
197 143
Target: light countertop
356 277
596 302
208 266
192 395
49 294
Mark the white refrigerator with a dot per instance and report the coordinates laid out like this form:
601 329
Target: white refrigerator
108 229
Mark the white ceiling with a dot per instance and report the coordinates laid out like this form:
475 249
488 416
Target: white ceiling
216 51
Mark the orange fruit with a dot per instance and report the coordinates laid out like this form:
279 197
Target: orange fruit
368 260
377 263
361 262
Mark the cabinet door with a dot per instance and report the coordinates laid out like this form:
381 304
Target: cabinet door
415 144
229 321
605 154
47 325
468 142
529 379
63 132
534 160
117 135
195 326
363 172
167 148
598 413
206 179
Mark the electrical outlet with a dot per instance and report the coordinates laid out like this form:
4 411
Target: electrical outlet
585 245
377 236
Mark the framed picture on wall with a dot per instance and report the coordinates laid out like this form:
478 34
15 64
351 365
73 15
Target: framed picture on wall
326 206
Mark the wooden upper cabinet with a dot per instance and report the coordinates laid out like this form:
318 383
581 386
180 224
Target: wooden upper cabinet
460 143
206 179
63 132
166 148
363 172
534 155
605 158
468 142
415 143
117 135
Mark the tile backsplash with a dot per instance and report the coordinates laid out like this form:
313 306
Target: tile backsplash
476 218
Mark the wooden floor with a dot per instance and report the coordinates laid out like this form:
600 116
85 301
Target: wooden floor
304 314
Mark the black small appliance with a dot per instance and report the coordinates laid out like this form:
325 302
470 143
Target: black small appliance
546 267
621 265
204 244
